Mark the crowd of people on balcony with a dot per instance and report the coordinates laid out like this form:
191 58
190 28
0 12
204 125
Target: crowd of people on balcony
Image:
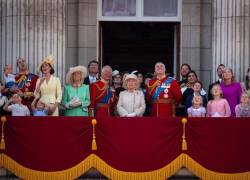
129 94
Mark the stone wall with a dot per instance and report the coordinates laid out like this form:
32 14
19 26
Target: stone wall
81 32
197 38
32 29
231 40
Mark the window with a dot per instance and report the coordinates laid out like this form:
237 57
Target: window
119 8
139 10
160 8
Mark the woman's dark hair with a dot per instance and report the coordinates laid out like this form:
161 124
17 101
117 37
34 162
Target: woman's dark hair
52 71
247 80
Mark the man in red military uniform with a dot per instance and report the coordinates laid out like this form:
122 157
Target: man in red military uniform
163 92
102 96
25 83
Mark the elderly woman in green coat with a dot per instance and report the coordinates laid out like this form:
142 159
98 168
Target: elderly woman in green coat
76 94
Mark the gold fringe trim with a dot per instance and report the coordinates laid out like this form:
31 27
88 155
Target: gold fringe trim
158 174
92 160
29 174
206 174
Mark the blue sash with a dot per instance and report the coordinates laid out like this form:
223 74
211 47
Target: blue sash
160 89
106 98
27 78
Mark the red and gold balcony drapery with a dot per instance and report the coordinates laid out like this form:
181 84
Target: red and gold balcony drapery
127 148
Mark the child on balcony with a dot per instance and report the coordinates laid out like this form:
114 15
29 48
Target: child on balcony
218 107
3 99
16 108
39 108
196 110
9 78
243 109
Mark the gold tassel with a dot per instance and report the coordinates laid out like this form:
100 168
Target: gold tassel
2 143
94 145
184 142
184 145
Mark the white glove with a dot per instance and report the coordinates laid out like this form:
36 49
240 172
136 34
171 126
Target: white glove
131 114
75 104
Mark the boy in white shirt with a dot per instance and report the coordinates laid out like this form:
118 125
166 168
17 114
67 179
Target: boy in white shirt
16 108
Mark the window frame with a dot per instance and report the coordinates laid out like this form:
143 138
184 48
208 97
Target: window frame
139 14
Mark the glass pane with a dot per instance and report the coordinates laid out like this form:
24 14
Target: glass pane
160 8
119 7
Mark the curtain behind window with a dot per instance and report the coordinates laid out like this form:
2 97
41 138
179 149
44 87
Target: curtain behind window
119 7
160 8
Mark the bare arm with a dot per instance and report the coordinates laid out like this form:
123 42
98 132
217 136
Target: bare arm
5 108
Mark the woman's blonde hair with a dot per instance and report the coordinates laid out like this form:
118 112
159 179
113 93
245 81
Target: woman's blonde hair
72 77
229 69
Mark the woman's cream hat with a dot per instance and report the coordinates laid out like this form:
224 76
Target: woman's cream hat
82 69
48 60
131 76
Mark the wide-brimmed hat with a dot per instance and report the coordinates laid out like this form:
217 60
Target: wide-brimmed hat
131 76
48 60
82 69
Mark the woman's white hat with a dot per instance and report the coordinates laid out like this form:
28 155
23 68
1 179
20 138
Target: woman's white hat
82 69
131 76
115 72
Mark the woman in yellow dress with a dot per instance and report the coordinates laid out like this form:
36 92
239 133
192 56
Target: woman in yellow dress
49 87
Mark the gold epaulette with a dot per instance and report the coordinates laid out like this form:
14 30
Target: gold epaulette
99 88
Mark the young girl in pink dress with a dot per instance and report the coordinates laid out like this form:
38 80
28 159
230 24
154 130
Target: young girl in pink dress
218 107
196 110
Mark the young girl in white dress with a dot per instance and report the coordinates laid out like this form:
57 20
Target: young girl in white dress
196 110
243 109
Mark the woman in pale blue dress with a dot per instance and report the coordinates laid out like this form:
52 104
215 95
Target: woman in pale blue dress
76 94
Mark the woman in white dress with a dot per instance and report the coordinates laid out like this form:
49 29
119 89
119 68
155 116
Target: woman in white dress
131 102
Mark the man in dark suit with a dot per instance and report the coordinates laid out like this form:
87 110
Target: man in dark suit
92 72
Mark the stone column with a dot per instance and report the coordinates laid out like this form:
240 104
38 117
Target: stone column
231 38
191 34
87 31
32 29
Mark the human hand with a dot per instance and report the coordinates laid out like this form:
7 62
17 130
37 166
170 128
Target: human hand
52 108
75 104
131 114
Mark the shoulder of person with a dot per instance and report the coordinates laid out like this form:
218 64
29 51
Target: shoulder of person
33 75
122 93
85 85
67 86
203 108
